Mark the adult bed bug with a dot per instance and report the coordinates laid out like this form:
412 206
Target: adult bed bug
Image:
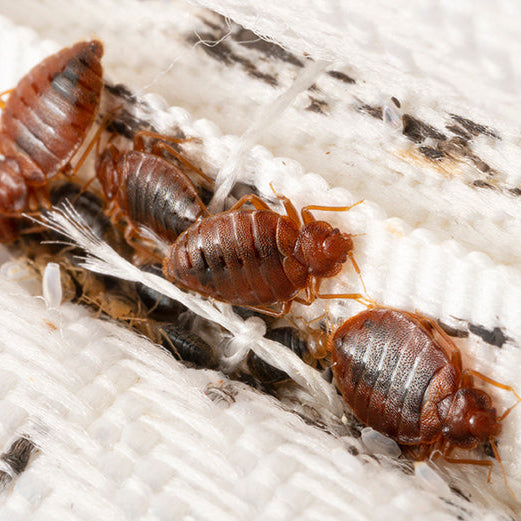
44 122
149 190
256 258
403 376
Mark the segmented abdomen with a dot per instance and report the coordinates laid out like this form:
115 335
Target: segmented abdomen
290 337
48 115
384 362
156 194
234 257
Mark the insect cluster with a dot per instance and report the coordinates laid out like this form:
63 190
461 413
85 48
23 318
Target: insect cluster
398 372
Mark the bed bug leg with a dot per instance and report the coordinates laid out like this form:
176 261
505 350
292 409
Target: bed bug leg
3 94
253 199
500 461
307 216
141 134
291 211
357 270
464 461
139 145
284 310
130 235
312 293
471 372
93 142
165 146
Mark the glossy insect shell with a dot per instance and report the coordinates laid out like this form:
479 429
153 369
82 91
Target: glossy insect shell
150 191
264 372
242 257
402 381
49 113
160 307
187 346
91 209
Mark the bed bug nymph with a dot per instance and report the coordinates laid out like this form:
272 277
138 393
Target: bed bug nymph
256 258
44 122
149 190
402 375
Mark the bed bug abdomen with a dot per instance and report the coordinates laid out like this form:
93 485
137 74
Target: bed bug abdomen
384 364
48 115
234 257
155 193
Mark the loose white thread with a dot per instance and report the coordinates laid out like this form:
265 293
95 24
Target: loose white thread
229 172
106 261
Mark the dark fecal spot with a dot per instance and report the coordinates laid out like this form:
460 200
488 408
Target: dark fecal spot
317 105
212 25
351 449
454 146
126 124
452 331
483 184
220 52
475 128
120 91
396 101
341 76
267 78
249 39
494 337
432 153
223 52
456 129
418 131
482 166
373 111
515 191
458 492
18 455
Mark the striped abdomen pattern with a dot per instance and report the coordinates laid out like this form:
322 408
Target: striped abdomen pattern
236 257
48 115
156 194
384 362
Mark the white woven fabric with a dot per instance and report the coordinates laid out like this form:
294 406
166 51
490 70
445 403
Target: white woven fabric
127 434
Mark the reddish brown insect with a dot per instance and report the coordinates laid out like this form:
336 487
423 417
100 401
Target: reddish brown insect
257 258
402 375
148 189
45 120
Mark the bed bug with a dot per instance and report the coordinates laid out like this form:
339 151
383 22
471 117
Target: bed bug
187 346
159 306
90 208
45 121
257 257
403 376
149 190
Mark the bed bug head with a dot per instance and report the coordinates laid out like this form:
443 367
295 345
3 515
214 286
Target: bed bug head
13 190
106 171
471 419
323 248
